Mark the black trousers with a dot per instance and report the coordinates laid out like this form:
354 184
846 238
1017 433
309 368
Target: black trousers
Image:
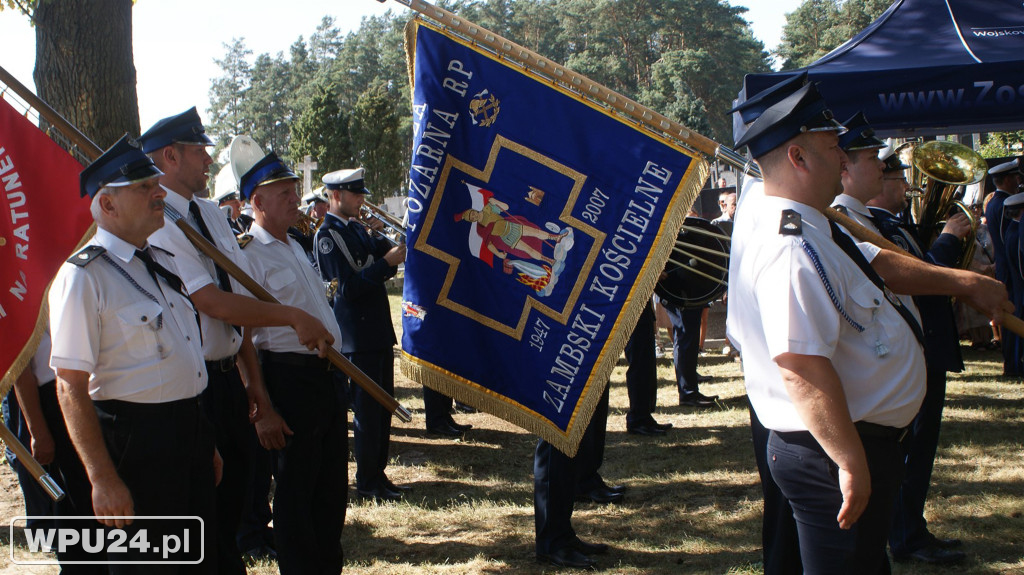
254 531
810 482
642 373
437 408
779 538
372 433
66 469
312 470
227 407
685 345
555 478
164 455
909 527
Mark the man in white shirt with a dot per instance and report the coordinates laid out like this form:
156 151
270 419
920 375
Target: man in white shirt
130 369
833 362
312 469
862 176
177 145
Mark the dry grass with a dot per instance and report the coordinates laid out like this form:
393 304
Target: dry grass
694 499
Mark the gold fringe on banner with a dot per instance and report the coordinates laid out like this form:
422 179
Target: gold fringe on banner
468 392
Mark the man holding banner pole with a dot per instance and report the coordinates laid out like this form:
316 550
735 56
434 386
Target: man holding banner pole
177 146
312 467
834 362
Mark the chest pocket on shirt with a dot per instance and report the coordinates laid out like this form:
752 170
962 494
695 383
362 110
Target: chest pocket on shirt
280 278
866 308
139 322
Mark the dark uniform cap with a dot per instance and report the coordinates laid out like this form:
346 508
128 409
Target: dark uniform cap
121 165
266 171
796 113
1014 202
859 135
185 128
754 106
351 180
1005 167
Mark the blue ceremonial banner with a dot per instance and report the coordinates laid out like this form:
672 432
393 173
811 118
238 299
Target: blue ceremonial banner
538 225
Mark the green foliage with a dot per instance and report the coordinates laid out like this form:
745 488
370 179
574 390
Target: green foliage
321 131
227 94
817 27
378 145
1002 144
686 58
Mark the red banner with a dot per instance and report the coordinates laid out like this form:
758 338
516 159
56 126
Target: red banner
42 219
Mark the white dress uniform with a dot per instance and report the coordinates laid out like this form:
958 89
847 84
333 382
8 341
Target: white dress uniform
284 269
137 348
778 303
197 271
856 210
862 215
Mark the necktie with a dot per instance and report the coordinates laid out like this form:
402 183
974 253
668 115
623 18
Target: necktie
172 280
222 276
156 269
851 249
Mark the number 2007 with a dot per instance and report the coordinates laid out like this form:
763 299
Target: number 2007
595 204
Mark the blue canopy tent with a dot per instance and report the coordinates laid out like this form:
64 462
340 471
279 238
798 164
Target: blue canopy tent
926 67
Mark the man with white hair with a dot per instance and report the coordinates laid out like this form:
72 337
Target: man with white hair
129 362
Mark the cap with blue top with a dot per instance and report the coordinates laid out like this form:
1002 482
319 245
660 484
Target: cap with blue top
266 171
185 128
122 164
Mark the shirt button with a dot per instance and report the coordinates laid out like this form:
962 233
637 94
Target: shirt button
172 305
144 318
187 338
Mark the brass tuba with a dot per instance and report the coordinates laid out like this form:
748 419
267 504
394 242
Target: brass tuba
938 169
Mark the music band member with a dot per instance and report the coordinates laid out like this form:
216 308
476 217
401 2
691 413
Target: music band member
910 538
361 264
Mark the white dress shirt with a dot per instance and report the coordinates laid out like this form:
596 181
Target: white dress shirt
197 271
778 304
862 215
135 349
284 269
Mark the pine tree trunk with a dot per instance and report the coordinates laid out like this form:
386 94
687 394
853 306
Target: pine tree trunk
84 65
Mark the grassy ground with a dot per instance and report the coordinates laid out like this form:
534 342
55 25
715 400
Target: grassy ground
693 504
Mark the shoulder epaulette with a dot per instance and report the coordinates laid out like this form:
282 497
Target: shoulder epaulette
791 224
86 255
243 240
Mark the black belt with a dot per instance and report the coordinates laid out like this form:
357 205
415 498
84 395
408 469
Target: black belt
222 365
116 406
876 431
305 360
